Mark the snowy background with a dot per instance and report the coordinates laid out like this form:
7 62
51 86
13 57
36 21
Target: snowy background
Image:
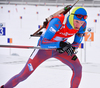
54 74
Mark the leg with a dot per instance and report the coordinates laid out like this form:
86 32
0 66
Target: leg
74 65
34 61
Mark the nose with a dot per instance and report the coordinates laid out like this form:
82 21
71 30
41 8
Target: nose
77 25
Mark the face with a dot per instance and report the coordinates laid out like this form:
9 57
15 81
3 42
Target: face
78 24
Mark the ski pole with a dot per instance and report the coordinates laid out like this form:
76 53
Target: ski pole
28 47
23 47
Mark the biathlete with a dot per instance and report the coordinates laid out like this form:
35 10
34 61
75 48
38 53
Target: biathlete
58 30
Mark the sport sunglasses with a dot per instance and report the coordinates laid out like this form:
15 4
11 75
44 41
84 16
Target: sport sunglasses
80 16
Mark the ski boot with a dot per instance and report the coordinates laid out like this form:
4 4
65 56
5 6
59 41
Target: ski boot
2 86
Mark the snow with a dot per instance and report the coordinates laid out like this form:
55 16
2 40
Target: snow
50 74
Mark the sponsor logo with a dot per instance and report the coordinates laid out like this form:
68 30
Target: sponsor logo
84 29
57 25
52 46
66 34
52 30
74 58
1 24
30 67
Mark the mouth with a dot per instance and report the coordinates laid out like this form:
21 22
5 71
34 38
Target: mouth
76 28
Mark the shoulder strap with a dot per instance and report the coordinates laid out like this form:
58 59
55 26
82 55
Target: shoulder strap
65 18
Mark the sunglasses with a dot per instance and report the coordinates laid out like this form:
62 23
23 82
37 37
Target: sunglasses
80 16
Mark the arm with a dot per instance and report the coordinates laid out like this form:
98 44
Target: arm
46 41
79 36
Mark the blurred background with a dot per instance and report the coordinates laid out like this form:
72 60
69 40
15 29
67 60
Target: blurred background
87 3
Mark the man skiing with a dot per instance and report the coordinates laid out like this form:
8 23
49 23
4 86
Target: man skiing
58 30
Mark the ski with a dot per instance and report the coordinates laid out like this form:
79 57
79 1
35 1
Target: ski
23 47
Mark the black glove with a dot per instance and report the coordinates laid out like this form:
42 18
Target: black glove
60 50
66 47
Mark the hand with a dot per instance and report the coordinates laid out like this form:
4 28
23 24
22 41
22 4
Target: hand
60 50
66 47
70 51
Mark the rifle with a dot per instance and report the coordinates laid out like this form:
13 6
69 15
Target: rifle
62 11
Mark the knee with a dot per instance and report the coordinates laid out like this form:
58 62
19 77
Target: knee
78 70
24 76
21 76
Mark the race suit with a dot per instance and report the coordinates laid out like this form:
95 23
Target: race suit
55 32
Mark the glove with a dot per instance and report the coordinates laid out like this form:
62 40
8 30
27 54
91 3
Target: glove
60 50
62 44
66 47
